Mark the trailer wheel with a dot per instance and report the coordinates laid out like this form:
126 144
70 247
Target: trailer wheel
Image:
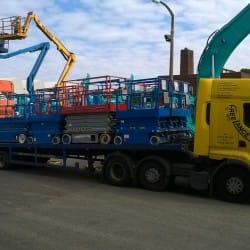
154 140
4 162
55 139
233 184
153 173
105 138
118 140
22 138
117 170
66 139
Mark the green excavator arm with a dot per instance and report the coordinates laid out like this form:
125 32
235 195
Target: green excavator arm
221 45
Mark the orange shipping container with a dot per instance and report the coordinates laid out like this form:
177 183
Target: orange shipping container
6 86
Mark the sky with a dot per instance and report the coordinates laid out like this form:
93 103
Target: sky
119 37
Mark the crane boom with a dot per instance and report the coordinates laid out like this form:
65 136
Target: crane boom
43 47
222 44
17 27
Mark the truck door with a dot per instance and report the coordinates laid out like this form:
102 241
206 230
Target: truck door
224 137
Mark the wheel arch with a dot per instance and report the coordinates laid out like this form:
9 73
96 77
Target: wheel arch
221 167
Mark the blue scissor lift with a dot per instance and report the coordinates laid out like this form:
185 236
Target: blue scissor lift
28 122
156 113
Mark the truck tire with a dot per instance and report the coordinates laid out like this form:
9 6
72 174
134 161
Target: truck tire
4 162
233 184
117 170
154 173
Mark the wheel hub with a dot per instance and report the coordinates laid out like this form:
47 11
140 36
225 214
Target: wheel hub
234 185
152 175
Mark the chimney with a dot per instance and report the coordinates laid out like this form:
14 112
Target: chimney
187 62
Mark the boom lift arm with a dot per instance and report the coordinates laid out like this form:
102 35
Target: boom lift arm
17 27
43 47
222 44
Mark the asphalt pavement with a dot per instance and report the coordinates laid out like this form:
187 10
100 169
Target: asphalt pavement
61 209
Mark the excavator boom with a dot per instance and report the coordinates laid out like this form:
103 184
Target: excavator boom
16 27
222 44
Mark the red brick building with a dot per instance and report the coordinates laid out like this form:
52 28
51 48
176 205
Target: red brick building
187 69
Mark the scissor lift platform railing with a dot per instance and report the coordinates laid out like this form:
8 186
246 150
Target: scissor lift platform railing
91 95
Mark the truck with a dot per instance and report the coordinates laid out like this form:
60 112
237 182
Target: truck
216 158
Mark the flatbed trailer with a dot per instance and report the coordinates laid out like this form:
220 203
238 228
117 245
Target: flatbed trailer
151 166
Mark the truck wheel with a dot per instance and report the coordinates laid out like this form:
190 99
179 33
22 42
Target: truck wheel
153 173
233 184
66 139
117 170
4 160
105 138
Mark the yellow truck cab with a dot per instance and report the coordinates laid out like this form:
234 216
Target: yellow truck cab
222 123
223 119
222 135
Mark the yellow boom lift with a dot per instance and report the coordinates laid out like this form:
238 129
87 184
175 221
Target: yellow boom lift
16 27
